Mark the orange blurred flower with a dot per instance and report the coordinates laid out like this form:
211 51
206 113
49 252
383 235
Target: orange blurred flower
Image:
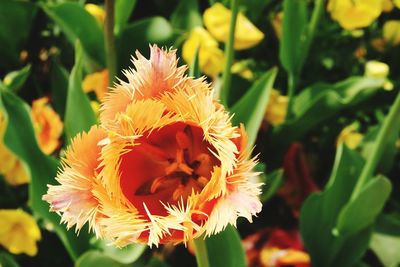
166 164
96 82
276 248
48 125
13 170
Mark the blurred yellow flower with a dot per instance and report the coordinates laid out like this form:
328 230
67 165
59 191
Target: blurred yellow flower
277 21
19 232
97 12
211 58
11 168
48 125
96 82
352 14
397 3
378 44
95 106
277 108
217 20
276 257
391 32
387 5
240 68
376 69
350 137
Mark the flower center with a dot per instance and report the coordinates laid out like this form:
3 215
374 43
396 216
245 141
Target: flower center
167 166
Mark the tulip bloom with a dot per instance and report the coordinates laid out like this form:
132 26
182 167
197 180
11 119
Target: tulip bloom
19 232
165 164
352 14
217 20
48 125
211 58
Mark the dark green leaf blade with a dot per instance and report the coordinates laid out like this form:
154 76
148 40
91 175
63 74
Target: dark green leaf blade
123 10
293 34
250 109
79 115
186 16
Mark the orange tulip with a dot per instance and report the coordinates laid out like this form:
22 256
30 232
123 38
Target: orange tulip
48 125
165 165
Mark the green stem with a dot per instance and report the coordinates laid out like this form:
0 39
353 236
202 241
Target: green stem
201 252
229 53
378 147
110 42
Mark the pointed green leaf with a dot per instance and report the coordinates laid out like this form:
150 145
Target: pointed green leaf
294 26
59 87
123 10
363 210
16 79
386 248
194 70
250 109
79 115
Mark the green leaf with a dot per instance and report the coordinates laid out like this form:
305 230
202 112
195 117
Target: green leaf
194 70
363 210
250 108
321 102
16 20
388 223
387 249
78 24
138 36
6 260
319 213
225 249
16 79
293 35
42 168
123 10
96 258
59 87
186 16
125 255
79 115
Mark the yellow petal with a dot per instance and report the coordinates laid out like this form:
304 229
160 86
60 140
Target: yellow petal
96 82
387 5
352 14
211 58
22 233
391 32
350 137
97 12
217 20
397 3
376 69
277 108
